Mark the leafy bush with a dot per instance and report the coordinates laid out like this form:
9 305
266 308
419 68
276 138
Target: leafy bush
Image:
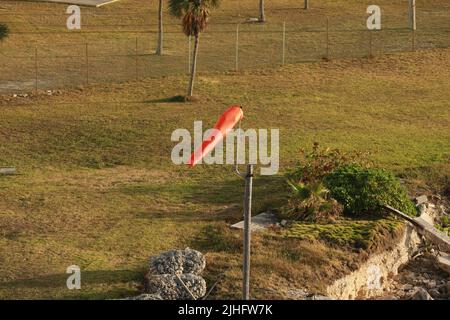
363 190
314 165
444 224
4 31
310 199
311 203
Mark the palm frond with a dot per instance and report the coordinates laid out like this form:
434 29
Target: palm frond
194 13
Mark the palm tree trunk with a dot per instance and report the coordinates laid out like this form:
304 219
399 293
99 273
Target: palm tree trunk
193 67
262 15
159 48
306 4
412 14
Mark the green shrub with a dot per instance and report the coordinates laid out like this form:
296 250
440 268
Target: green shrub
314 165
444 224
4 31
364 190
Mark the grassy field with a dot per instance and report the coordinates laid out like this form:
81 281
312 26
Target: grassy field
121 38
97 188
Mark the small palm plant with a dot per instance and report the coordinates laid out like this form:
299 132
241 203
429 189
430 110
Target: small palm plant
311 202
195 15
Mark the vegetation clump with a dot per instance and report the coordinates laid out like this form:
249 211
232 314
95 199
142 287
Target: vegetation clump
361 234
364 190
444 224
4 31
310 199
311 202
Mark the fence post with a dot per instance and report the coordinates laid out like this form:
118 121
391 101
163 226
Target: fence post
35 69
136 57
87 64
284 42
412 14
328 39
237 48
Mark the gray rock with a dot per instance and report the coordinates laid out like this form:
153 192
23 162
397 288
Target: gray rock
434 293
421 199
169 287
7 171
145 296
317 297
407 287
178 262
431 284
421 294
422 208
444 263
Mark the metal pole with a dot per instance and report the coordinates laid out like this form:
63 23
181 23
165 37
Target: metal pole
237 48
35 69
87 64
412 14
247 231
413 40
284 42
136 55
328 39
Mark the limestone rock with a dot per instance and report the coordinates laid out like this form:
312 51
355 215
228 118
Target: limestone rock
145 296
169 287
444 263
421 294
421 199
178 262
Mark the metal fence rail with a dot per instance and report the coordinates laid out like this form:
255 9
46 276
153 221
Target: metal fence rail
66 63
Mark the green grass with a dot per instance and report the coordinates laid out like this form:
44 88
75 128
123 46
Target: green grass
365 234
96 186
113 31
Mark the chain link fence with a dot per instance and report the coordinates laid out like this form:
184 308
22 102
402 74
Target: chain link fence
105 57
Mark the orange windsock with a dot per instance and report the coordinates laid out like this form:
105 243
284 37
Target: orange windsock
226 122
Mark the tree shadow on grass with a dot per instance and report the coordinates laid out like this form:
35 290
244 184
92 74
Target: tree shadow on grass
87 278
268 192
173 99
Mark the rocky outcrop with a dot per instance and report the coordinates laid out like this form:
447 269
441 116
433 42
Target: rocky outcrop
145 296
176 275
178 262
375 274
400 273
169 287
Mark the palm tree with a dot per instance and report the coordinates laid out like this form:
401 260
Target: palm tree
306 4
194 14
159 48
262 15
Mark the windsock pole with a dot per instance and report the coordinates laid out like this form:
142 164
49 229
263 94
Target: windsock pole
248 176
247 231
